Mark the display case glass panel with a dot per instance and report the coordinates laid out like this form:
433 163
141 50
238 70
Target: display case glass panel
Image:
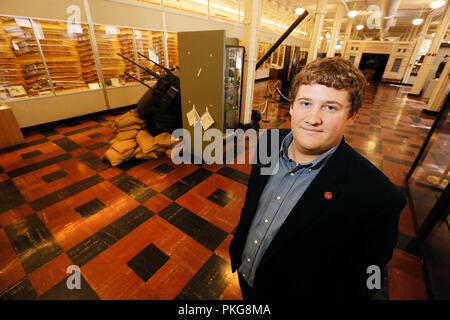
112 40
429 193
172 49
22 72
65 48
150 44
234 66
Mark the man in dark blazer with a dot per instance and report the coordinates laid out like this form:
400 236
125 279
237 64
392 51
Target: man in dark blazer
324 223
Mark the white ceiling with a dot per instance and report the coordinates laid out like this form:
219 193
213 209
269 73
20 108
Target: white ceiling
408 10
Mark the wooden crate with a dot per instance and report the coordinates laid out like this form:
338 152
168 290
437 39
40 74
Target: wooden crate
10 133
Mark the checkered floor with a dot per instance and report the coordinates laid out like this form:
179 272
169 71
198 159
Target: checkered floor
155 230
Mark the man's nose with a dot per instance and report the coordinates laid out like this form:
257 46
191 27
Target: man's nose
313 116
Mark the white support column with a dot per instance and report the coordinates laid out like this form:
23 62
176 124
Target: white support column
252 20
420 38
318 22
348 33
336 29
431 54
440 91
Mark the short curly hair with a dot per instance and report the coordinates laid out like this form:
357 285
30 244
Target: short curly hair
335 73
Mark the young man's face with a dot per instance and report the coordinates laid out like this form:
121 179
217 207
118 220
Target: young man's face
319 116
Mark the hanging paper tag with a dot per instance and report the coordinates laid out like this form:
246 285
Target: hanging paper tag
207 120
193 116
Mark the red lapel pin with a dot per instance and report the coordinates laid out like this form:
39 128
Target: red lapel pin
328 195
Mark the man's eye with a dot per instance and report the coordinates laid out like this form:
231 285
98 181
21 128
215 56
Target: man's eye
330 108
305 103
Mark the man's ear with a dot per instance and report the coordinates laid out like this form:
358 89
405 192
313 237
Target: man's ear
352 118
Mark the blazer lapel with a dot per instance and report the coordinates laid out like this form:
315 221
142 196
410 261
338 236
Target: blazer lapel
322 193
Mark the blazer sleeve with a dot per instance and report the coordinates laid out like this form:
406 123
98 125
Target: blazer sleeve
373 244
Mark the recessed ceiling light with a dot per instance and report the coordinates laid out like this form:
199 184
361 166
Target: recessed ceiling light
359 27
327 36
437 4
352 13
299 11
417 21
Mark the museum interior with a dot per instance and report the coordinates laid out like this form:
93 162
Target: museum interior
91 92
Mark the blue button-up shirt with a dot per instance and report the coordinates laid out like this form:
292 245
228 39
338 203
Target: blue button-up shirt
282 191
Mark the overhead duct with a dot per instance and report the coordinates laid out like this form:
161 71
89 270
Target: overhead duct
389 10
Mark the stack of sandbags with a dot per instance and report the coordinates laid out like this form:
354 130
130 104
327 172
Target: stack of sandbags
132 140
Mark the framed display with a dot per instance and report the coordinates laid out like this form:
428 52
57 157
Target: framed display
16 91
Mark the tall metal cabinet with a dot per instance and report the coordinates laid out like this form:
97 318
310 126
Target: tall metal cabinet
210 78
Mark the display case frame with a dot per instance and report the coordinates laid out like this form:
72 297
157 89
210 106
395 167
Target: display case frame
428 190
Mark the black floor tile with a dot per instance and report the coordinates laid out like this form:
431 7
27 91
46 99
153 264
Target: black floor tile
21 290
234 174
93 162
95 135
33 242
62 292
220 197
163 169
88 249
31 154
74 124
208 283
399 161
64 193
66 144
97 145
194 226
129 164
49 132
54 176
71 133
90 208
176 190
10 197
101 240
148 261
38 165
133 187
99 120
196 177
23 145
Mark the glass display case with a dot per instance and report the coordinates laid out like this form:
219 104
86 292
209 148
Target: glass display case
22 72
428 190
234 67
45 57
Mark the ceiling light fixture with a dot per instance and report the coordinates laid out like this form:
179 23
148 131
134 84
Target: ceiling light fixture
299 11
418 21
437 4
352 13
359 27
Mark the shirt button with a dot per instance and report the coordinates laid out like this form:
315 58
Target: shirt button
243 275
266 221
278 198
292 174
248 260
256 241
309 170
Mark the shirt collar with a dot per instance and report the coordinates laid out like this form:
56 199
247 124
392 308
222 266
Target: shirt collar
315 164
